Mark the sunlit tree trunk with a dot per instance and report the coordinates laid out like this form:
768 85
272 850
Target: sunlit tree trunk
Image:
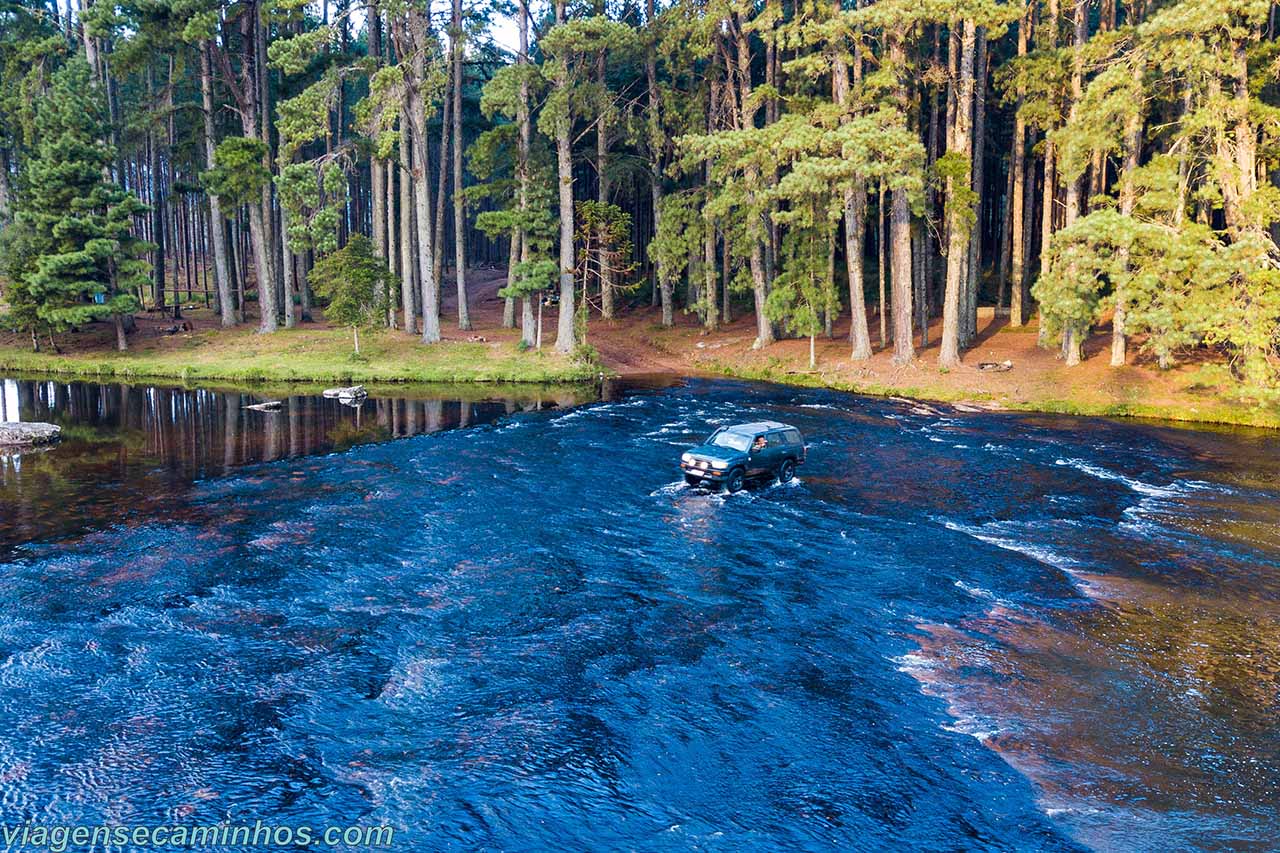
748 106
900 229
855 212
1072 335
528 332
1017 202
973 267
565 338
959 143
417 25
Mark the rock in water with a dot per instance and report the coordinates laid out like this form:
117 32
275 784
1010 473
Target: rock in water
28 434
269 406
353 391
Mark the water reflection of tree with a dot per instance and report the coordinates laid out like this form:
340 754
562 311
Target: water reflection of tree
128 448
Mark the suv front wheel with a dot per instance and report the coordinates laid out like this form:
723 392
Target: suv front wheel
787 471
733 482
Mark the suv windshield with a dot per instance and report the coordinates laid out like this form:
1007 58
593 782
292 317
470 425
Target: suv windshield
732 440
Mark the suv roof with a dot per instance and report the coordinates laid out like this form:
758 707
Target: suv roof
757 427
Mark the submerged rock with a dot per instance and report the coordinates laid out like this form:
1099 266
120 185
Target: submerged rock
28 434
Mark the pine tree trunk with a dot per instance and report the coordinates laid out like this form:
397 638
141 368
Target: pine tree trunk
269 278
755 227
459 202
1072 336
1048 202
900 269
709 276
410 290
378 204
6 189
513 258
855 213
217 222
655 172
1018 200
252 116
1128 199
304 285
266 291
726 310
237 262
442 178
1004 262
408 262
603 264
157 202
378 167
973 265
900 231
393 229
290 317
565 341
421 181
933 152
882 263
959 142
528 333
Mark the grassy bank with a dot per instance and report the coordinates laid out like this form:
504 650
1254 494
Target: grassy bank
1208 407
309 354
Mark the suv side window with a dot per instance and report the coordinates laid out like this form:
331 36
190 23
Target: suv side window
792 436
776 440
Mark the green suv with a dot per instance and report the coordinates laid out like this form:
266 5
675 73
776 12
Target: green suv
735 453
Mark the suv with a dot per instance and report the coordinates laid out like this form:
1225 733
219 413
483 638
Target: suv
734 453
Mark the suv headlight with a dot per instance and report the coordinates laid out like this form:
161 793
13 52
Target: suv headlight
719 464
686 457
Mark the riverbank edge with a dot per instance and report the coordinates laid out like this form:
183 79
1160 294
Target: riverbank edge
119 368
115 368
1210 412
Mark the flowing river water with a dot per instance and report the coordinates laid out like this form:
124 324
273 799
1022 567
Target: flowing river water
515 628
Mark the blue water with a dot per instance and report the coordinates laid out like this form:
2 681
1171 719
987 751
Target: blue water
956 631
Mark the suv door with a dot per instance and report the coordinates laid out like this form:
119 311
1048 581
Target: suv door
775 450
758 460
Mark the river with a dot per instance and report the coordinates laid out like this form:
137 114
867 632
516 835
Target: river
499 620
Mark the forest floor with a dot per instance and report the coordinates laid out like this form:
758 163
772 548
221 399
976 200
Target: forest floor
636 344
